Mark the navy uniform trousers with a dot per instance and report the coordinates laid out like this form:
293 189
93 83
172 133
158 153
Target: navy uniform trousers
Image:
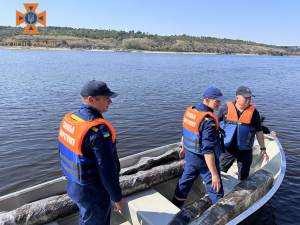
93 202
190 174
244 161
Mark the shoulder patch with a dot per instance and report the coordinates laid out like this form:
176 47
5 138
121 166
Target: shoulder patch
206 118
94 129
105 134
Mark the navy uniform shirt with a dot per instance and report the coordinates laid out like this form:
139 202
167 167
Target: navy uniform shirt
255 122
208 132
96 146
265 130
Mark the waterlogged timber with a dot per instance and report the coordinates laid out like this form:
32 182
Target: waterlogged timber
60 206
146 163
40 212
185 215
240 199
143 180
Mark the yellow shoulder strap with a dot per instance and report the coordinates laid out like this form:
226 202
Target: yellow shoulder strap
81 120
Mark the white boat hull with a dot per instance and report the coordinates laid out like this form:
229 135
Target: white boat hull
153 206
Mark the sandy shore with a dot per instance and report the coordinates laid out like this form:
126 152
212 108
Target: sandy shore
39 49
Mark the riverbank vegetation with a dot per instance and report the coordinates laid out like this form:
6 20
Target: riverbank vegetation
99 39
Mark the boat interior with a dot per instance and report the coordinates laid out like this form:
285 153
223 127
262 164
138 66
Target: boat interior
153 206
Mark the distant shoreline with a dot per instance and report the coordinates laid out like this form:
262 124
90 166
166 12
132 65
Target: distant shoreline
40 49
66 39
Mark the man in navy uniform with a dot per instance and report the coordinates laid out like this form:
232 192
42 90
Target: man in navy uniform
89 158
200 137
241 122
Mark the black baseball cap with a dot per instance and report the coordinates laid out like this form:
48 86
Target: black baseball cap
244 91
96 87
215 93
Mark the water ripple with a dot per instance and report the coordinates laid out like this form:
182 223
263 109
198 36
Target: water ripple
154 92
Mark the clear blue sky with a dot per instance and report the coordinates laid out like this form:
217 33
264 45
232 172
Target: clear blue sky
274 22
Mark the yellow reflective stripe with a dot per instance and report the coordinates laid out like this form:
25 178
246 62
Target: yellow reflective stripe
77 118
180 199
213 125
206 118
106 135
81 120
196 110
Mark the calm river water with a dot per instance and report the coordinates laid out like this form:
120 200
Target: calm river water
38 88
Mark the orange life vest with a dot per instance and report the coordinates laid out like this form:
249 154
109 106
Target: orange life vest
242 125
76 166
191 138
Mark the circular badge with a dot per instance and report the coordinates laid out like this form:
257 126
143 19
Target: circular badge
31 18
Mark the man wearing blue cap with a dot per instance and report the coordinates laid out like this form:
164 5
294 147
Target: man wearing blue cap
241 122
89 158
200 136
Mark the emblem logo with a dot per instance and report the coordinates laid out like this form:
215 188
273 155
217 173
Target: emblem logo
220 92
107 87
248 89
31 18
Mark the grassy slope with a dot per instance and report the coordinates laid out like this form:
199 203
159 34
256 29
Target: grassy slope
127 41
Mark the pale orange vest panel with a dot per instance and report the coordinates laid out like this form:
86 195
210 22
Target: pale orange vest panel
192 118
244 118
71 132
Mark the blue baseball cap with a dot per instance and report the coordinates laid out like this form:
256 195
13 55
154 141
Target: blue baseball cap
215 93
96 87
244 91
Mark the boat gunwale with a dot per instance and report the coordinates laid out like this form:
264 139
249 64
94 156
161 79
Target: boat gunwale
270 193
32 188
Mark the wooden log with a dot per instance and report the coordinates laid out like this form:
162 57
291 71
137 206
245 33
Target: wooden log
240 199
146 163
40 212
143 180
186 215
60 206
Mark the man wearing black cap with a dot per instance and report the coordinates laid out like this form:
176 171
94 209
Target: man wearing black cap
241 122
89 158
266 129
201 138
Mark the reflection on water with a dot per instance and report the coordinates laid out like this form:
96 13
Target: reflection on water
38 88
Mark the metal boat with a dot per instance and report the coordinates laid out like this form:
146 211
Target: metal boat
153 206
